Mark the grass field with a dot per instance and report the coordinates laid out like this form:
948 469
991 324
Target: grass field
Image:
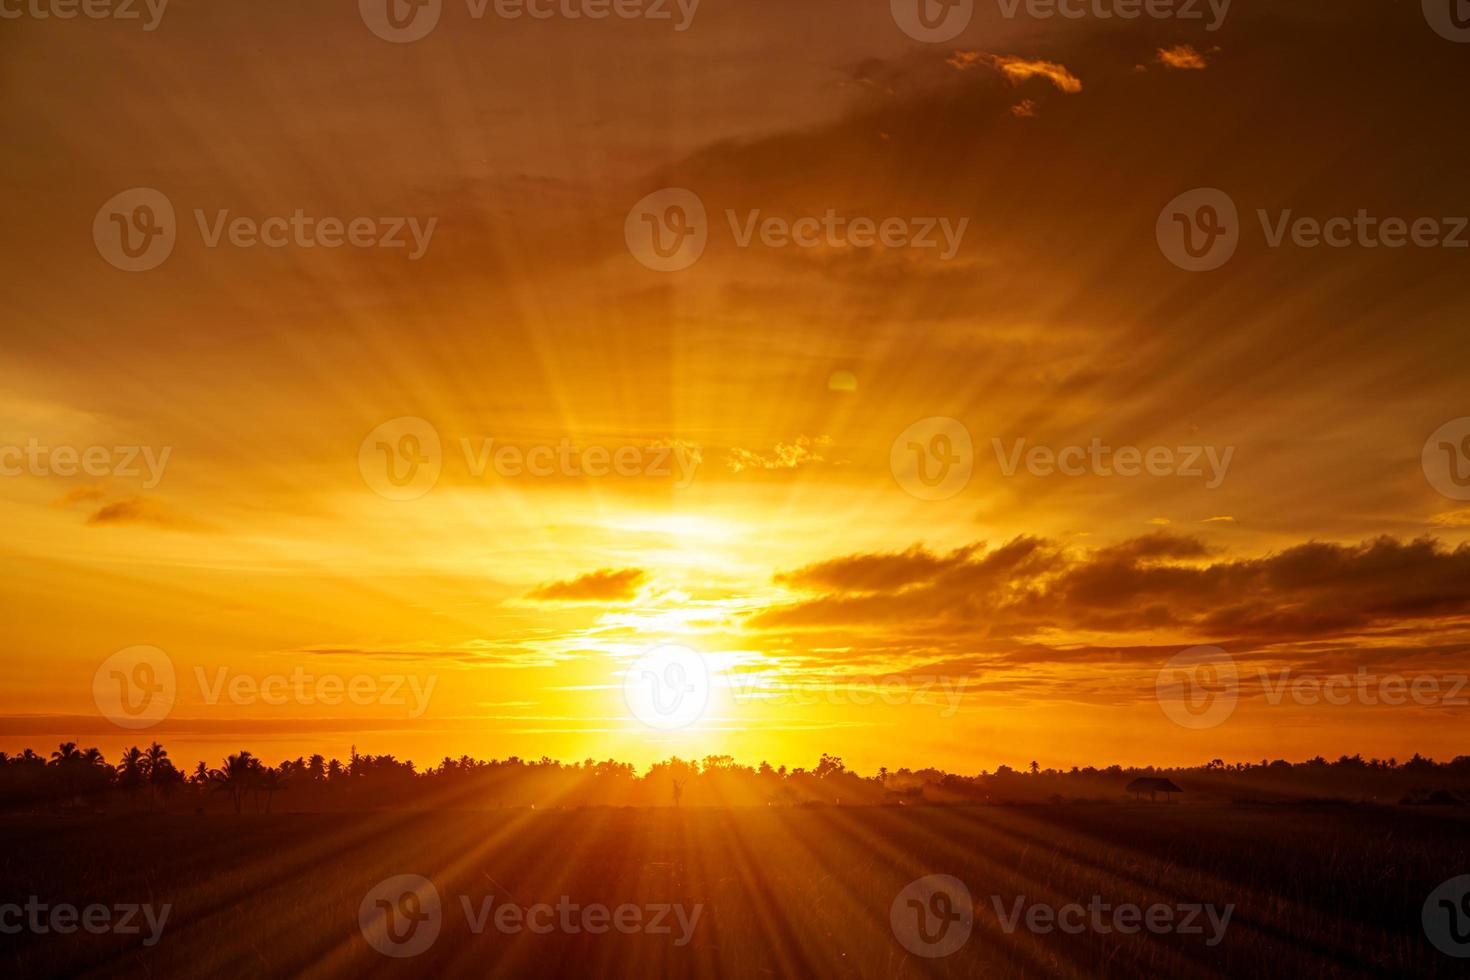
1317 891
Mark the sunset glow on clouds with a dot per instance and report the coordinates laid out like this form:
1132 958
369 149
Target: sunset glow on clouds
741 497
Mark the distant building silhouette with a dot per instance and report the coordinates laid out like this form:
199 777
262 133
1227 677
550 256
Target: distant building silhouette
1152 785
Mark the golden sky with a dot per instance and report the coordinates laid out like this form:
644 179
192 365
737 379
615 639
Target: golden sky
758 393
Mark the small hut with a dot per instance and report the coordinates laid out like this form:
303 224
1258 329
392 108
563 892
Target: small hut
1152 785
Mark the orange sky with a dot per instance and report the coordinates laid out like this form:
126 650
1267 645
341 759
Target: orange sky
1023 616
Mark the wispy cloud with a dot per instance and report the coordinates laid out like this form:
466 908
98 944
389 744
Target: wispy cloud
1020 69
603 585
784 456
1182 56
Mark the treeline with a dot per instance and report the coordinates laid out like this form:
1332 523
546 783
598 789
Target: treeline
74 779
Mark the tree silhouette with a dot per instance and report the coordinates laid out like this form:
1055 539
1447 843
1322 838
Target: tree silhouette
272 781
75 776
131 772
237 777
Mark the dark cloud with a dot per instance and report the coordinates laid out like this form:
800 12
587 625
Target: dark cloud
141 510
875 572
1030 588
606 584
86 493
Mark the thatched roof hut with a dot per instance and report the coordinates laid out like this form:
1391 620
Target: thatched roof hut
1152 785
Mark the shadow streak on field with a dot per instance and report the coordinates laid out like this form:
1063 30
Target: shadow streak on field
1318 892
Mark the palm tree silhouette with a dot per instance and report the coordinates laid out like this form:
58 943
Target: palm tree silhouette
237 776
272 781
131 771
160 769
